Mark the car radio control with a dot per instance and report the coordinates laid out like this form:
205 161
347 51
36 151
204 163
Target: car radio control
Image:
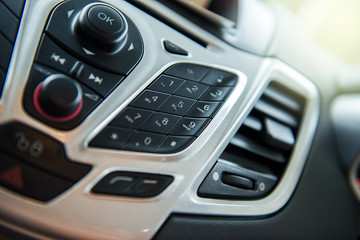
101 28
58 98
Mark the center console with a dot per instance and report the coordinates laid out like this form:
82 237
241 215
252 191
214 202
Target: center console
116 114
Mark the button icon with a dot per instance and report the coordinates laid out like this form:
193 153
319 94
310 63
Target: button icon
107 19
96 79
114 136
93 97
13 176
70 13
88 52
131 47
57 58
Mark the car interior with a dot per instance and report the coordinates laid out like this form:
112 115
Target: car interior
179 119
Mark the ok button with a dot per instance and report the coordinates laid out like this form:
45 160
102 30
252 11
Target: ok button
105 19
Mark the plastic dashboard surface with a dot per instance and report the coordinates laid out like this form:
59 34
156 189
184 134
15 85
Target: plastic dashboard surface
150 184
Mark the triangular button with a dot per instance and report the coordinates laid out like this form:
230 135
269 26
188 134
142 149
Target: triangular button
13 176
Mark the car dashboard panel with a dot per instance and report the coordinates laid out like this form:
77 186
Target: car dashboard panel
137 119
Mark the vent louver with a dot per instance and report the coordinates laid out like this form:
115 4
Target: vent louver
257 155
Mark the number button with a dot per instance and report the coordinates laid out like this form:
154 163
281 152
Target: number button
204 109
192 90
161 123
167 84
144 142
177 105
150 100
216 93
131 118
190 126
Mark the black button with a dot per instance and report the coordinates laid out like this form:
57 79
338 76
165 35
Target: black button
188 71
192 90
105 19
39 73
132 184
161 123
167 84
8 23
173 48
177 105
144 142
216 94
204 109
53 56
190 126
100 81
5 50
173 144
59 97
39 150
150 185
111 138
116 183
15 6
219 78
150 100
237 181
2 81
131 118
29 181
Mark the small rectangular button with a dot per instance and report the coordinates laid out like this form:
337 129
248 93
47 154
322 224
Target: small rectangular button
115 183
51 55
132 118
192 90
16 6
187 71
190 126
100 81
5 52
219 78
8 23
177 105
216 94
237 181
144 142
161 123
150 100
29 181
111 138
167 84
173 48
204 109
173 144
150 185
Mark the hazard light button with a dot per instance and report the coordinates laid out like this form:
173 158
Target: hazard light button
29 181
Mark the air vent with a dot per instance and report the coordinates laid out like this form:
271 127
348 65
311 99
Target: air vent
257 155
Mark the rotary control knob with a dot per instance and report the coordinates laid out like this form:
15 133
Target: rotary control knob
58 98
101 27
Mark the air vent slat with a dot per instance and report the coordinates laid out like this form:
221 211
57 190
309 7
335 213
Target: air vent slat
257 148
281 98
276 113
253 123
